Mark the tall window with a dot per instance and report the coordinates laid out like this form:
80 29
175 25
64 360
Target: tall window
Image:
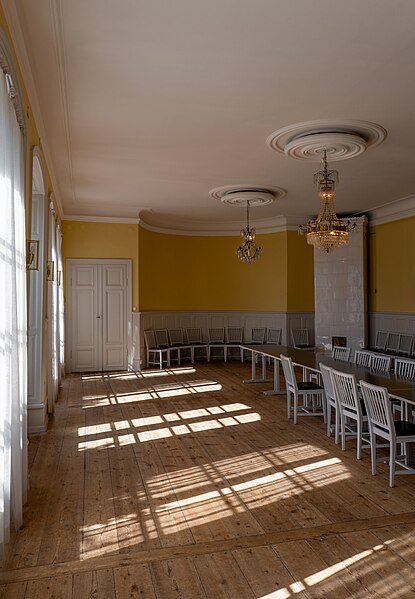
13 436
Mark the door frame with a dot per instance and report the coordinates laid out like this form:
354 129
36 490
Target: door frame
70 263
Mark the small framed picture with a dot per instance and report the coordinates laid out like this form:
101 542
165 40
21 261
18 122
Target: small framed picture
49 270
32 257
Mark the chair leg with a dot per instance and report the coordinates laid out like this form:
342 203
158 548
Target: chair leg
328 419
373 452
295 408
343 431
288 404
359 439
324 406
336 425
392 458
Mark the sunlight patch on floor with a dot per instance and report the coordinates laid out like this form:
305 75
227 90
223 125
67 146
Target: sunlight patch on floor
374 584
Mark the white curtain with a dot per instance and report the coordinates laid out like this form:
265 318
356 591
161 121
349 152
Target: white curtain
53 316
60 343
13 333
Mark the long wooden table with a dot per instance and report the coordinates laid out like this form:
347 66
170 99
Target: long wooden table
398 387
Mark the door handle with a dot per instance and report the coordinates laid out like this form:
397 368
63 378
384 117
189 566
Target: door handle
98 316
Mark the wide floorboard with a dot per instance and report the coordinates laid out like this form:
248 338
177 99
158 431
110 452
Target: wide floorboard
187 483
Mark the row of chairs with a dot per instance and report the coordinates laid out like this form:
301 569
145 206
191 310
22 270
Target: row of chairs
339 392
369 405
402 366
395 343
164 346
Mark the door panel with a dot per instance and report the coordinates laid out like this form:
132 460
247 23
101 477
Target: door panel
114 303
86 332
99 316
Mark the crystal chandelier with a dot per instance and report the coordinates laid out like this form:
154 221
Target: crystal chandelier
327 231
248 251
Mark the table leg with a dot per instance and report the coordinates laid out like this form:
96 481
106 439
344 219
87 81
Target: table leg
254 378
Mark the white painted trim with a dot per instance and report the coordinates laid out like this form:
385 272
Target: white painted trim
37 418
70 262
101 219
277 224
403 208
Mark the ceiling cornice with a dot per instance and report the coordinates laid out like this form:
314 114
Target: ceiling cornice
404 208
101 219
223 229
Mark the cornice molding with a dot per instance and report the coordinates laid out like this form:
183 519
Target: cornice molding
101 219
223 229
403 208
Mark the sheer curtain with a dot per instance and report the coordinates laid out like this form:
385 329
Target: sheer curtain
13 395
60 339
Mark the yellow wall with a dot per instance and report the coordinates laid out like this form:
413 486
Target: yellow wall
102 240
300 274
391 266
203 273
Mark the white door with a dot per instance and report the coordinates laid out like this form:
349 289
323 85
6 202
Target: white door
98 301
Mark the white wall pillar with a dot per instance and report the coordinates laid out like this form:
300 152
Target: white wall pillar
340 291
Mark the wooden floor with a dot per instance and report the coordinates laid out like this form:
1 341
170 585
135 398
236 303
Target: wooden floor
186 483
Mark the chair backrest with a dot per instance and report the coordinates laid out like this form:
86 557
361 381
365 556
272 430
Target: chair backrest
405 368
258 335
176 336
150 339
299 337
162 338
194 335
327 382
392 344
381 340
362 357
340 353
345 389
405 344
289 374
234 334
378 406
216 335
382 363
274 336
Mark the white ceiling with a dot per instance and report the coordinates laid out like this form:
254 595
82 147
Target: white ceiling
144 106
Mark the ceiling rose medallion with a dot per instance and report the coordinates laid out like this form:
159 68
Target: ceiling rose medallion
247 195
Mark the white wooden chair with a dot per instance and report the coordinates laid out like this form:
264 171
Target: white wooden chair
216 340
382 424
405 345
405 367
381 340
331 402
163 342
300 339
313 394
340 353
258 336
392 344
177 342
362 357
347 396
234 337
196 343
155 355
381 363
274 336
